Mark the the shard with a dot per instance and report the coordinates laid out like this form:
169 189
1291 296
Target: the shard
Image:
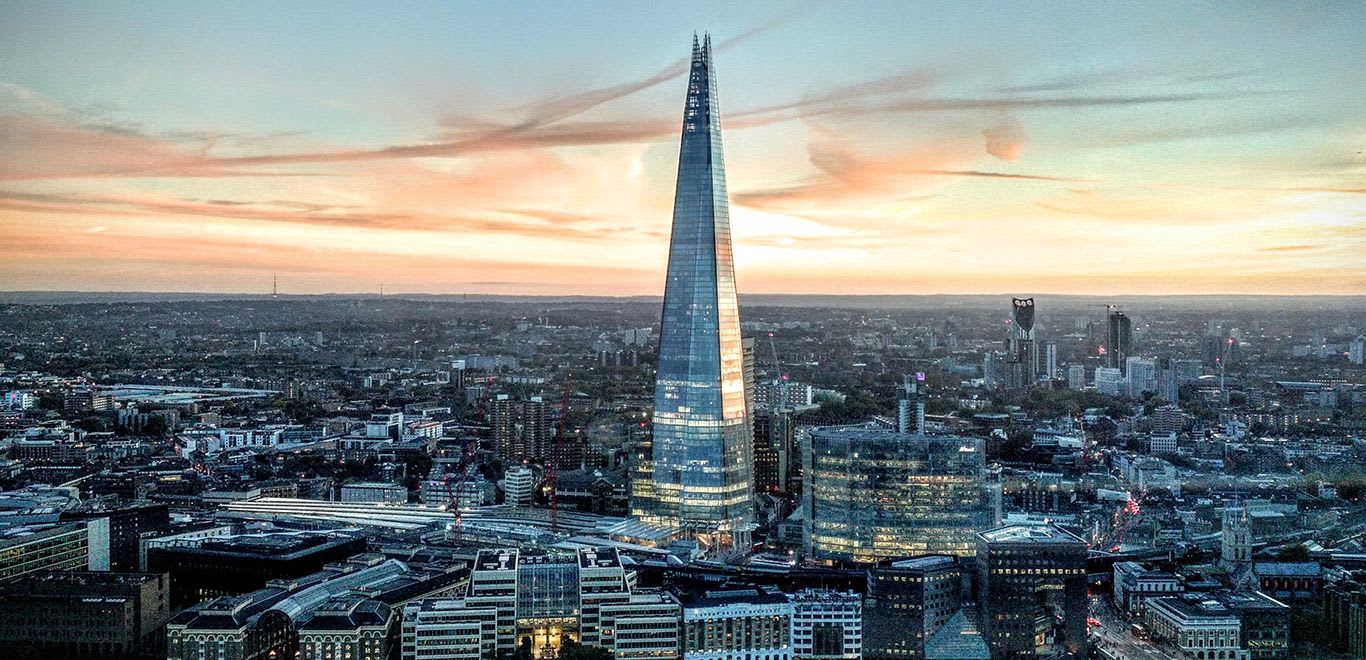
702 469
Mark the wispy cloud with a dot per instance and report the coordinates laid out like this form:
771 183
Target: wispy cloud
850 180
284 211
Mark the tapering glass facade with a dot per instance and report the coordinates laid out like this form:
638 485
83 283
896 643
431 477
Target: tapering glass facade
702 469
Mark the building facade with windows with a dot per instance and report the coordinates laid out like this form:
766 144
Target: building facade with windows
515 599
873 494
702 471
1032 584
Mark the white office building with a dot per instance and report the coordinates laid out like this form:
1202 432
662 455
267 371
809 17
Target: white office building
374 492
1141 375
827 625
518 485
1202 627
1110 380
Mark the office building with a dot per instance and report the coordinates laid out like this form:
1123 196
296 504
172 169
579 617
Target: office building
1264 623
1243 625
128 522
515 599
84 614
216 566
1162 443
826 625
1110 380
1076 376
519 484
645 627
702 468
1195 623
1140 376
81 400
776 456
374 492
872 494
747 347
728 624
1032 585
908 600
1133 584
1344 608
26 549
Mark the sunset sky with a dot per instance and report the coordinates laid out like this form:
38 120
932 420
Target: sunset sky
530 147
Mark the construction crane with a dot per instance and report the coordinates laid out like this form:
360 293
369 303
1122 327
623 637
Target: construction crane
773 350
453 497
552 473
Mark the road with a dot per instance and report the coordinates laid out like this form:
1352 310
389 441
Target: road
1116 636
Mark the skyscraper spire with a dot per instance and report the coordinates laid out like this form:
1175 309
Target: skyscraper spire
702 467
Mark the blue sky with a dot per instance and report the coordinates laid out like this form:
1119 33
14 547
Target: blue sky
897 147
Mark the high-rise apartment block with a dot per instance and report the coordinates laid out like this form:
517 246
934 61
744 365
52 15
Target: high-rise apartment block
522 429
1119 338
1022 364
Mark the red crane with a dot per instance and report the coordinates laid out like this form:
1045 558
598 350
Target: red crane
453 498
552 473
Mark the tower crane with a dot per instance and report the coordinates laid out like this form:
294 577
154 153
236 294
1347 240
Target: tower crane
552 473
453 497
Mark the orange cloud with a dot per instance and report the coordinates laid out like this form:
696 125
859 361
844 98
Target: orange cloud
852 180
1005 139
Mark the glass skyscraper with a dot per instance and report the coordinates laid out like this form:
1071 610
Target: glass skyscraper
702 468
872 494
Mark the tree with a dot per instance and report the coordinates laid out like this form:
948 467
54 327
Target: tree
156 426
572 650
1297 552
91 424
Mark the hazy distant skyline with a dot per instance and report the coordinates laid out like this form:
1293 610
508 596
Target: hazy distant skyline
530 148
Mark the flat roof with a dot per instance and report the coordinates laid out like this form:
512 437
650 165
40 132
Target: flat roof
1030 534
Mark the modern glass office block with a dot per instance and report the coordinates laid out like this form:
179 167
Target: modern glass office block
702 472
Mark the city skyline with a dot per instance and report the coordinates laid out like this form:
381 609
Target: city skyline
900 149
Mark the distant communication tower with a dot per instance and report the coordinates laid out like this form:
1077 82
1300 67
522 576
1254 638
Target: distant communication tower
275 287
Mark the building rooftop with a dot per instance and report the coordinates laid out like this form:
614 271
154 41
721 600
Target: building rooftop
732 596
1287 569
1030 534
924 563
504 559
599 558
276 547
957 639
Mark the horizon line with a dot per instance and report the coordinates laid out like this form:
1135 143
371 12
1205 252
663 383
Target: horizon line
375 294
